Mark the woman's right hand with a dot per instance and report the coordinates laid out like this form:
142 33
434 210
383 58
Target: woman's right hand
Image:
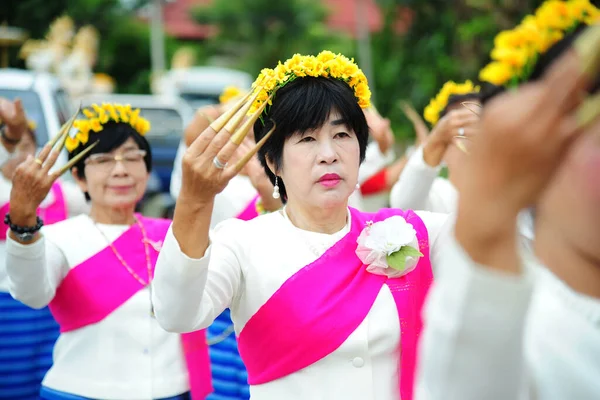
13 115
526 135
32 179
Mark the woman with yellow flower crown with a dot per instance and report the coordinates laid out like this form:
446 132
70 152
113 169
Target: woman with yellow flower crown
325 299
28 335
419 186
506 324
94 271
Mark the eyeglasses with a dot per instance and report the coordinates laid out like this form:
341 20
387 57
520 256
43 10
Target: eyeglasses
131 158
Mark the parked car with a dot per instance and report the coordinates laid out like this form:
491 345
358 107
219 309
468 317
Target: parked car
44 100
168 117
200 86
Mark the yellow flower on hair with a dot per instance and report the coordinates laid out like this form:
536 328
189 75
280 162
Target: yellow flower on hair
229 93
83 137
516 58
82 125
88 113
71 143
97 116
440 101
325 64
496 73
95 125
110 109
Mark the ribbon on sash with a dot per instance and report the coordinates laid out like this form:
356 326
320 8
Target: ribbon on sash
250 210
99 285
54 212
292 330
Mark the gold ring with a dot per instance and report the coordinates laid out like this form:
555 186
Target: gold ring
38 161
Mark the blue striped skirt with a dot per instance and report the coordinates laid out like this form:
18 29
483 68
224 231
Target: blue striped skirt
27 337
51 394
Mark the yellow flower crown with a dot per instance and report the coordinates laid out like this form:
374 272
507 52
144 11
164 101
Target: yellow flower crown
229 93
97 116
516 51
438 103
326 64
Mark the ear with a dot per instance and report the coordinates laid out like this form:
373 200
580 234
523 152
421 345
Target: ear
81 182
271 166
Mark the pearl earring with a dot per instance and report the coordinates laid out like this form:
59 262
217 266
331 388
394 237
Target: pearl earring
276 190
358 186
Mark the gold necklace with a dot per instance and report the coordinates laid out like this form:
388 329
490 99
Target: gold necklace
130 270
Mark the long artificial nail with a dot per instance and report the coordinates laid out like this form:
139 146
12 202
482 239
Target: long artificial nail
466 104
220 122
244 160
587 45
238 137
237 119
460 144
64 130
588 111
76 159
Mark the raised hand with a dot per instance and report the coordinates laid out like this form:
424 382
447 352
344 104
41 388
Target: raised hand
526 134
207 166
13 115
380 129
32 179
421 130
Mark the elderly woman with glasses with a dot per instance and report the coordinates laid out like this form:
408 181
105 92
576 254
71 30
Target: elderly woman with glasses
94 270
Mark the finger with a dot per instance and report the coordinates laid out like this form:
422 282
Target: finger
237 119
213 138
73 161
244 160
204 115
220 122
570 73
238 137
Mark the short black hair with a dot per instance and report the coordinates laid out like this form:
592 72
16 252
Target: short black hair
459 98
303 105
544 62
113 135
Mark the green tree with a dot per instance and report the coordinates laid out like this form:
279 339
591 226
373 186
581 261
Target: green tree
445 40
124 50
253 34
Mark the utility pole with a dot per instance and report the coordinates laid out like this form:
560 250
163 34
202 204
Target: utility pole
157 39
364 44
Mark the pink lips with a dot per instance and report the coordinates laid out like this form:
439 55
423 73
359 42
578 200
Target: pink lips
330 180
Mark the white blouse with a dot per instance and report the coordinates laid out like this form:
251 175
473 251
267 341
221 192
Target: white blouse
244 266
125 356
75 203
490 335
420 188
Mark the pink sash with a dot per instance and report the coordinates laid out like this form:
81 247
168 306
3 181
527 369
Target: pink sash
95 288
55 212
293 330
250 210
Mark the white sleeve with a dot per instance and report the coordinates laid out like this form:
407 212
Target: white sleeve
412 191
74 199
472 343
374 162
4 154
175 187
188 294
34 271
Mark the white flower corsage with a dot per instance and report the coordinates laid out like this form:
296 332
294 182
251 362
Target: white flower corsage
389 247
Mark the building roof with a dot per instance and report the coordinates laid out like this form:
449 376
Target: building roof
343 17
